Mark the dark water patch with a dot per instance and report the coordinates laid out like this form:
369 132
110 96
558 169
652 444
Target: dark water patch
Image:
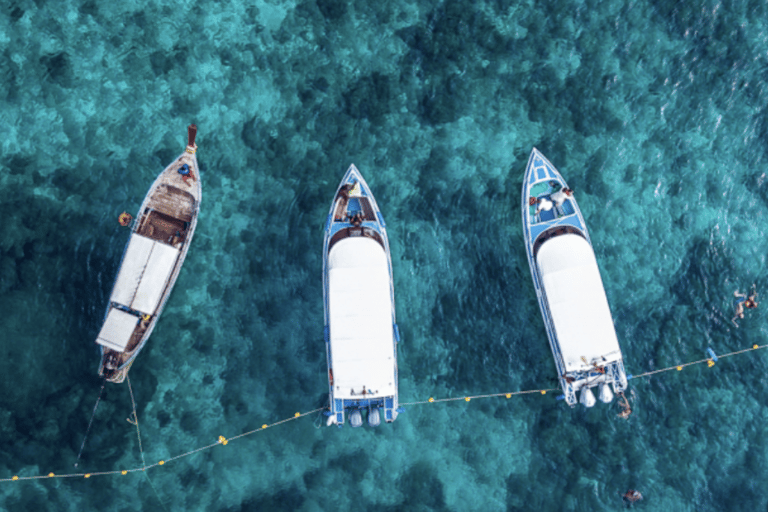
332 11
425 491
58 69
369 98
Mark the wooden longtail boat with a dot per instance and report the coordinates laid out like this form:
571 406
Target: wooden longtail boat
159 241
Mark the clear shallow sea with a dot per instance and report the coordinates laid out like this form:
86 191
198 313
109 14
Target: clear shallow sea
655 113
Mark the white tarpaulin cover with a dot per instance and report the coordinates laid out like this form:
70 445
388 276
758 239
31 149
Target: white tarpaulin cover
117 330
146 267
360 315
577 302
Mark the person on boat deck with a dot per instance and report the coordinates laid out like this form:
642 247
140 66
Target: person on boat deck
561 195
186 173
544 204
344 195
357 219
741 301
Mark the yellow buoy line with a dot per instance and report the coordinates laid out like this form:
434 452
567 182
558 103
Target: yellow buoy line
223 441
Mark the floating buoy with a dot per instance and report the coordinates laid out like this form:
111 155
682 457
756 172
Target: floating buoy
264 426
679 368
509 395
223 440
754 346
543 391
296 415
123 472
431 400
710 363
124 218
87 475
161 463
467 399
15 478
51 475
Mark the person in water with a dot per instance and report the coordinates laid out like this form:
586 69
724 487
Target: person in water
625 409
741 301
632 496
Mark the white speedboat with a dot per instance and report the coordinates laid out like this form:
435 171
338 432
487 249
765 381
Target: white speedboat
569 288
160 238
361 333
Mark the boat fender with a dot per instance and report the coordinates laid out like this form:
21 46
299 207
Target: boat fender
605 393
587 398
124 218
331 420
356 419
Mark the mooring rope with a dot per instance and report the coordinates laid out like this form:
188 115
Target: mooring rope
136 422
93 414
222 441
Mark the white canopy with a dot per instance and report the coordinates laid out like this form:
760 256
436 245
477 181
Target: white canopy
146 267
577 302
117 330
360 315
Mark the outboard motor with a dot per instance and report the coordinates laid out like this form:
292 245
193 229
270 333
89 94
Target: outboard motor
605 393
374 418
355 418
587 398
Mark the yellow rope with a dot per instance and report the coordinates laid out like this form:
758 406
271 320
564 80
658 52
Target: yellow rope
223 441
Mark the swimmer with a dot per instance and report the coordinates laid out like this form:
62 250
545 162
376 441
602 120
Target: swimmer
625 409
741 301
632 496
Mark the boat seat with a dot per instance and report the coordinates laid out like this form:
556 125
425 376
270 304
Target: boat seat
547 215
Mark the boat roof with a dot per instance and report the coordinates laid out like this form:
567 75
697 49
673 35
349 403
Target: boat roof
577 302
144 273
360 319
117 330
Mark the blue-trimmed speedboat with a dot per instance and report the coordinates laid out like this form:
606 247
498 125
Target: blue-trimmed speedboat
569 287
361 333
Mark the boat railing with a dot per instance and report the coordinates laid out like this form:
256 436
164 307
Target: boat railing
553 232
356 232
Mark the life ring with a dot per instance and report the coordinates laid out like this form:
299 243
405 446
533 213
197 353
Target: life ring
124 219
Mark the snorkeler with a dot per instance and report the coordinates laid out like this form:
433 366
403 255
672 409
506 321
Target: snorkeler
625 409
632 496
741 301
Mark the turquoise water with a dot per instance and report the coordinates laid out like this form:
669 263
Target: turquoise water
653 111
